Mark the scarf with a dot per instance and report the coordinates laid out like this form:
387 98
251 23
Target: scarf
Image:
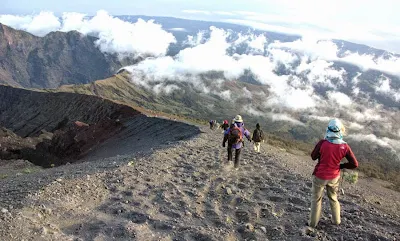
334 135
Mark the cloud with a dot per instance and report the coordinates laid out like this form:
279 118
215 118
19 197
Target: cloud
191 11
384 87
339 98
366 115
203 12
39 25
252 111
355 126
320 118
226 94
72 21
385 142
326 50
115 36
213 54
178 29
263 26
165 88
285 117
247 93
224 13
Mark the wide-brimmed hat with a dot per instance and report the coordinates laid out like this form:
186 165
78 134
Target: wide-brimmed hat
238 118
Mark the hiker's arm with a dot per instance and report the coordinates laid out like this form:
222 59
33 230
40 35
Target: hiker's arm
315 153
225 139
247 134
352 161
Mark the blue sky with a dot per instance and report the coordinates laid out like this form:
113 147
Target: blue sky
373 22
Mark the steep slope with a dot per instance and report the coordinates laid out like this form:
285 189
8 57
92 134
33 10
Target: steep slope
66 127
188 192
55 59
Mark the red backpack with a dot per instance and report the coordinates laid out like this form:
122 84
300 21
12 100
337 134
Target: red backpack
235 135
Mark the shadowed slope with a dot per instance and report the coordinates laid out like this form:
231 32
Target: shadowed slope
78 124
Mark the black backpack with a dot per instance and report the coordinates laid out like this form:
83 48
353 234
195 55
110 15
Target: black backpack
258 135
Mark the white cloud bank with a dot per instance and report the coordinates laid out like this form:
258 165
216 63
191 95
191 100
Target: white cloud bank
115 36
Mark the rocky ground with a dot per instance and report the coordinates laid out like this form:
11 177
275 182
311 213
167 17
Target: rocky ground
186 191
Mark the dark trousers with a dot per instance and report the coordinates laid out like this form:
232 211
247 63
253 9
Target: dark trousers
237 155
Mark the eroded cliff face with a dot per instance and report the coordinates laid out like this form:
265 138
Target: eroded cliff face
51 129
53 60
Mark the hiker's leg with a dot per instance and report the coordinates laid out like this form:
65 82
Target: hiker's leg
316 201
257 144
229 153
237 157
332 189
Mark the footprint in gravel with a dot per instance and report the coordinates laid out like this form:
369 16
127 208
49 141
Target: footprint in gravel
276 190
200 237
298 201
275 232
247 232
242 216
258 180
136 217
160 225
276 199
242 185
213 216
118 232
266 213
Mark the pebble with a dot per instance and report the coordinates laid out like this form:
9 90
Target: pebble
228 191
43 230
3 210
263 229
250 227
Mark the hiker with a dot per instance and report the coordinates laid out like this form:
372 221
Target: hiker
211 124
225 125
329 152
234 136
216 125
258 137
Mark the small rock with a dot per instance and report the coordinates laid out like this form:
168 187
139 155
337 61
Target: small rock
263 229
307 231
59 180
228 191
3 210
43 230
47 211
249 227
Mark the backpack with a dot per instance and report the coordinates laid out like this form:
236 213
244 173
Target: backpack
258 135
235 135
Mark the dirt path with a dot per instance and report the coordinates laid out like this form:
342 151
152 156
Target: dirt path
186 192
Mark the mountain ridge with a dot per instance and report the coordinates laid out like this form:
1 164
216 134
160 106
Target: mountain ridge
55 59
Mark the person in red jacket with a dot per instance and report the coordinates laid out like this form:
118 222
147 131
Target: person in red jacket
329 152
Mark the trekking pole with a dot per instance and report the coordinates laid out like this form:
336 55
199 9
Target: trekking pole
341 182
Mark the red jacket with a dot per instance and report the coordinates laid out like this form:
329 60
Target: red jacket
329 156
